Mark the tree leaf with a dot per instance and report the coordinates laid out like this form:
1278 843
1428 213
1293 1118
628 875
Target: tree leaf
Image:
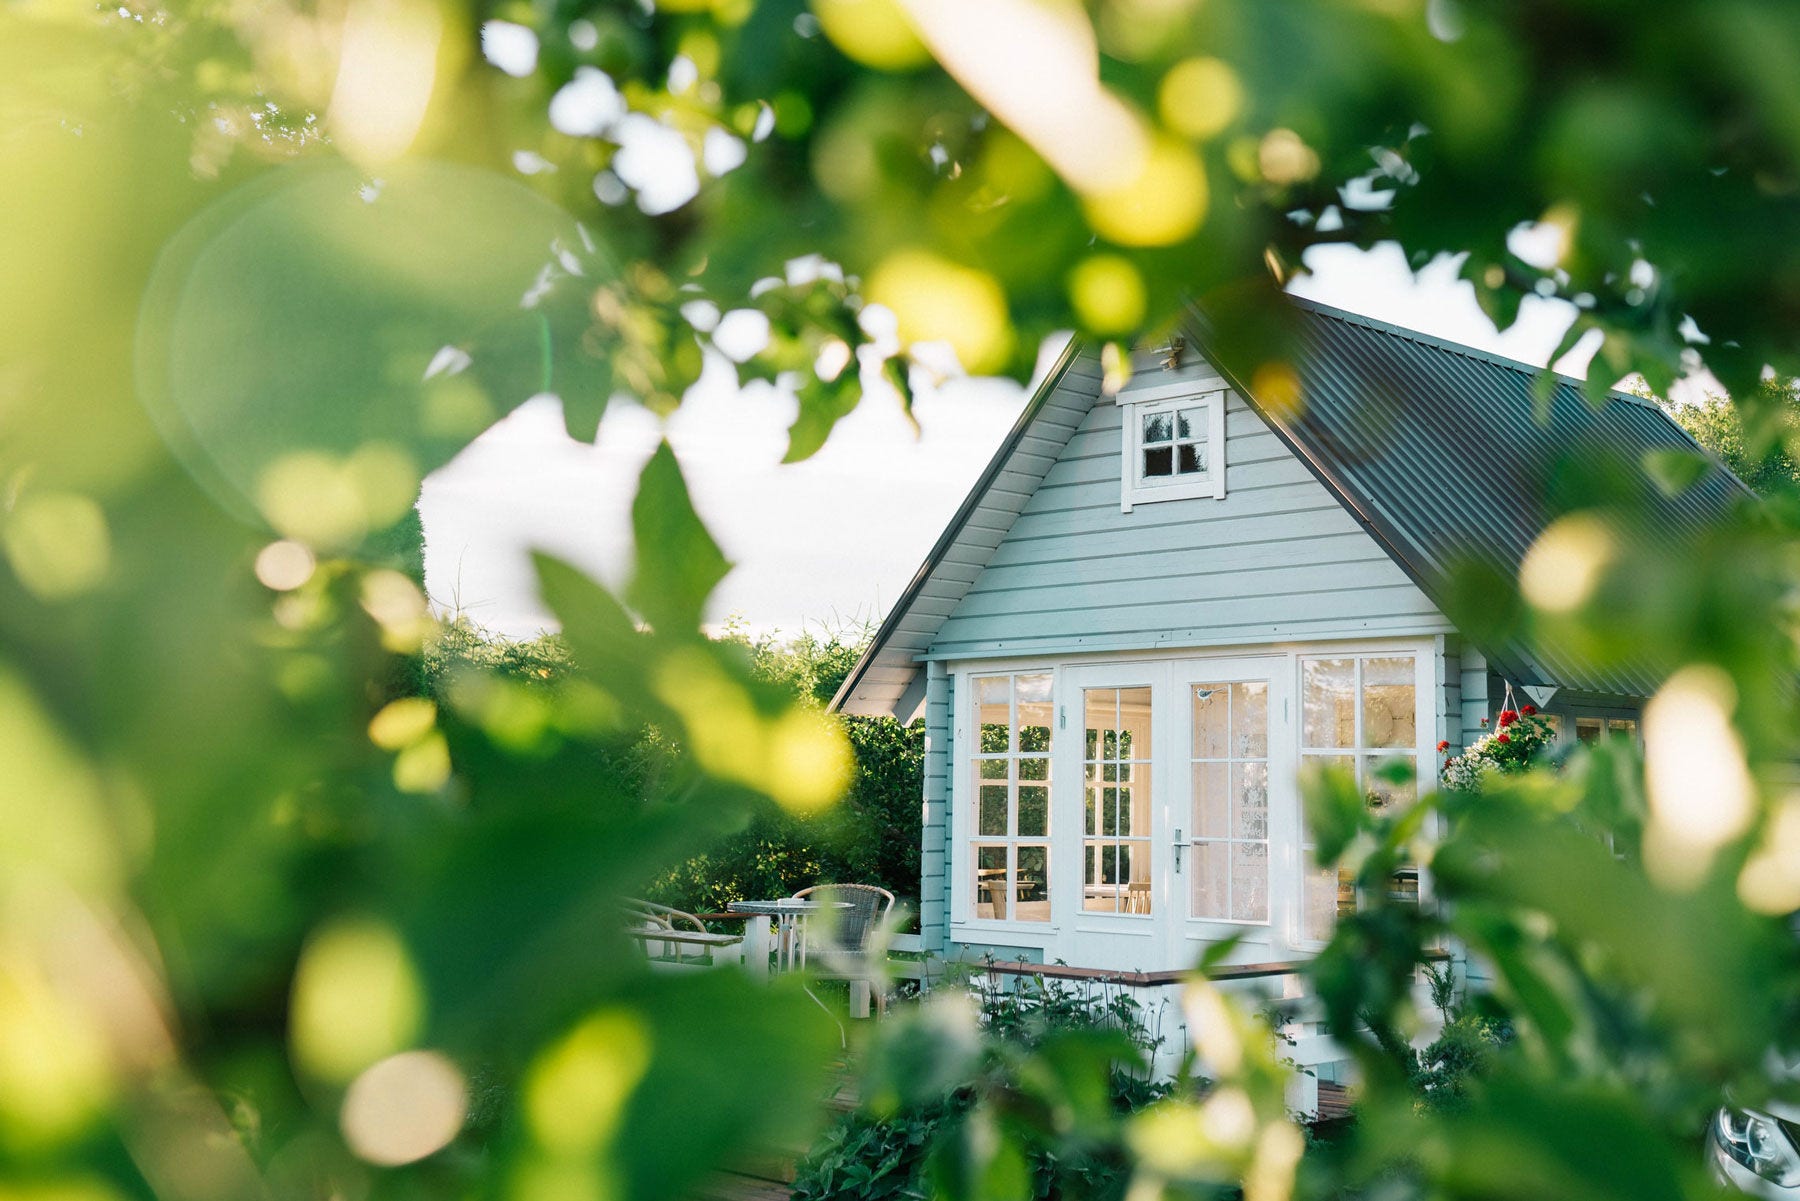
678 563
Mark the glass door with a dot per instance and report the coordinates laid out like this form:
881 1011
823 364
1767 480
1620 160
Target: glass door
1113 810
1238 812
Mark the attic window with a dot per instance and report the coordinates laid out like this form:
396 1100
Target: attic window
1174 444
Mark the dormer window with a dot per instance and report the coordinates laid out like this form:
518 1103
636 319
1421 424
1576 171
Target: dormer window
1174 444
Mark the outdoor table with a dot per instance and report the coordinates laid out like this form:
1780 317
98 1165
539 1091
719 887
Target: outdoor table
784 915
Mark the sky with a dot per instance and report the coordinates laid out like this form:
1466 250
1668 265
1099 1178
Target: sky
831 542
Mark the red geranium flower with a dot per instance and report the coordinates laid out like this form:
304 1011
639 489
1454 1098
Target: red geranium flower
1508 717
1506 738
1530 710
1484 721
1444 745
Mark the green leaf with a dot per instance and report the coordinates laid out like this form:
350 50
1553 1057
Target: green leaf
1336 812
822 405
678 563
1675 471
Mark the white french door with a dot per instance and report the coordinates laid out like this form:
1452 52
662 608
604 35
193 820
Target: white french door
1238 809
1174 804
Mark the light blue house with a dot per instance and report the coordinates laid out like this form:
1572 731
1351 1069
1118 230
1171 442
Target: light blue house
1157 607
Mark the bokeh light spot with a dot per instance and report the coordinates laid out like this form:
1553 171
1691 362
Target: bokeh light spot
357 999
577 1089
1700 790
1283 157
875 33
58 544
55 1073
1277 386
1108 294
936 300
401 723
404 1108
1566 563
1200 97
1162 203
284 565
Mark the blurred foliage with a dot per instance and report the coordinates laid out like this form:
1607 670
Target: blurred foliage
1055 1070
274 924
871 836
1767 457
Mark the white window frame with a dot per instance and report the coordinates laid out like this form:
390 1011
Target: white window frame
1134 405
966 756
1425 689
1069 923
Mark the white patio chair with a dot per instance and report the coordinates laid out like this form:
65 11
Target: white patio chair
666 932
851 947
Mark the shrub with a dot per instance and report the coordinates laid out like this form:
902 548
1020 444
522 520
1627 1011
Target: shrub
1098 1042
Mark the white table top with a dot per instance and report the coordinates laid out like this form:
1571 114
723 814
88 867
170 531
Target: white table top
784 906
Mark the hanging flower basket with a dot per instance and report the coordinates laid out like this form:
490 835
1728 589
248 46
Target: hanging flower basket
1519 738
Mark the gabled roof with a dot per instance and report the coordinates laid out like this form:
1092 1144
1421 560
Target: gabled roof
1445 452
1440 451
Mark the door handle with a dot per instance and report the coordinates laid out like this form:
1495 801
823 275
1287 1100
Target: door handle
1178 846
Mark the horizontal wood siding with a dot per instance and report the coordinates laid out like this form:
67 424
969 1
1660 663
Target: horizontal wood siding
1277 558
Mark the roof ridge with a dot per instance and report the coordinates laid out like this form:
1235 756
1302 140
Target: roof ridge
1458 348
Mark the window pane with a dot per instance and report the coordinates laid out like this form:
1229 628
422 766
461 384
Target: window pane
993 713
1034 811
1134 871
1095 895
1191 423
1382 793
990 881
1158 461
993 769
1135 809
1034 713
1389 714
1190 458
1328 702
1624 727
1033 888
1403 886
1318 904
1134 720
1093 800
1109 811
1250 882
1212 800
1250 801
1587 729
991 821
1034 769
1158 427
1212 880
1212 721
1250 720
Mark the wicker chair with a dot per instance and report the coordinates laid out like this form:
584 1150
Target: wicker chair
850 948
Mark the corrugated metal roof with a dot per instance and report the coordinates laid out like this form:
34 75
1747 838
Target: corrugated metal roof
1440 450
1445 453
